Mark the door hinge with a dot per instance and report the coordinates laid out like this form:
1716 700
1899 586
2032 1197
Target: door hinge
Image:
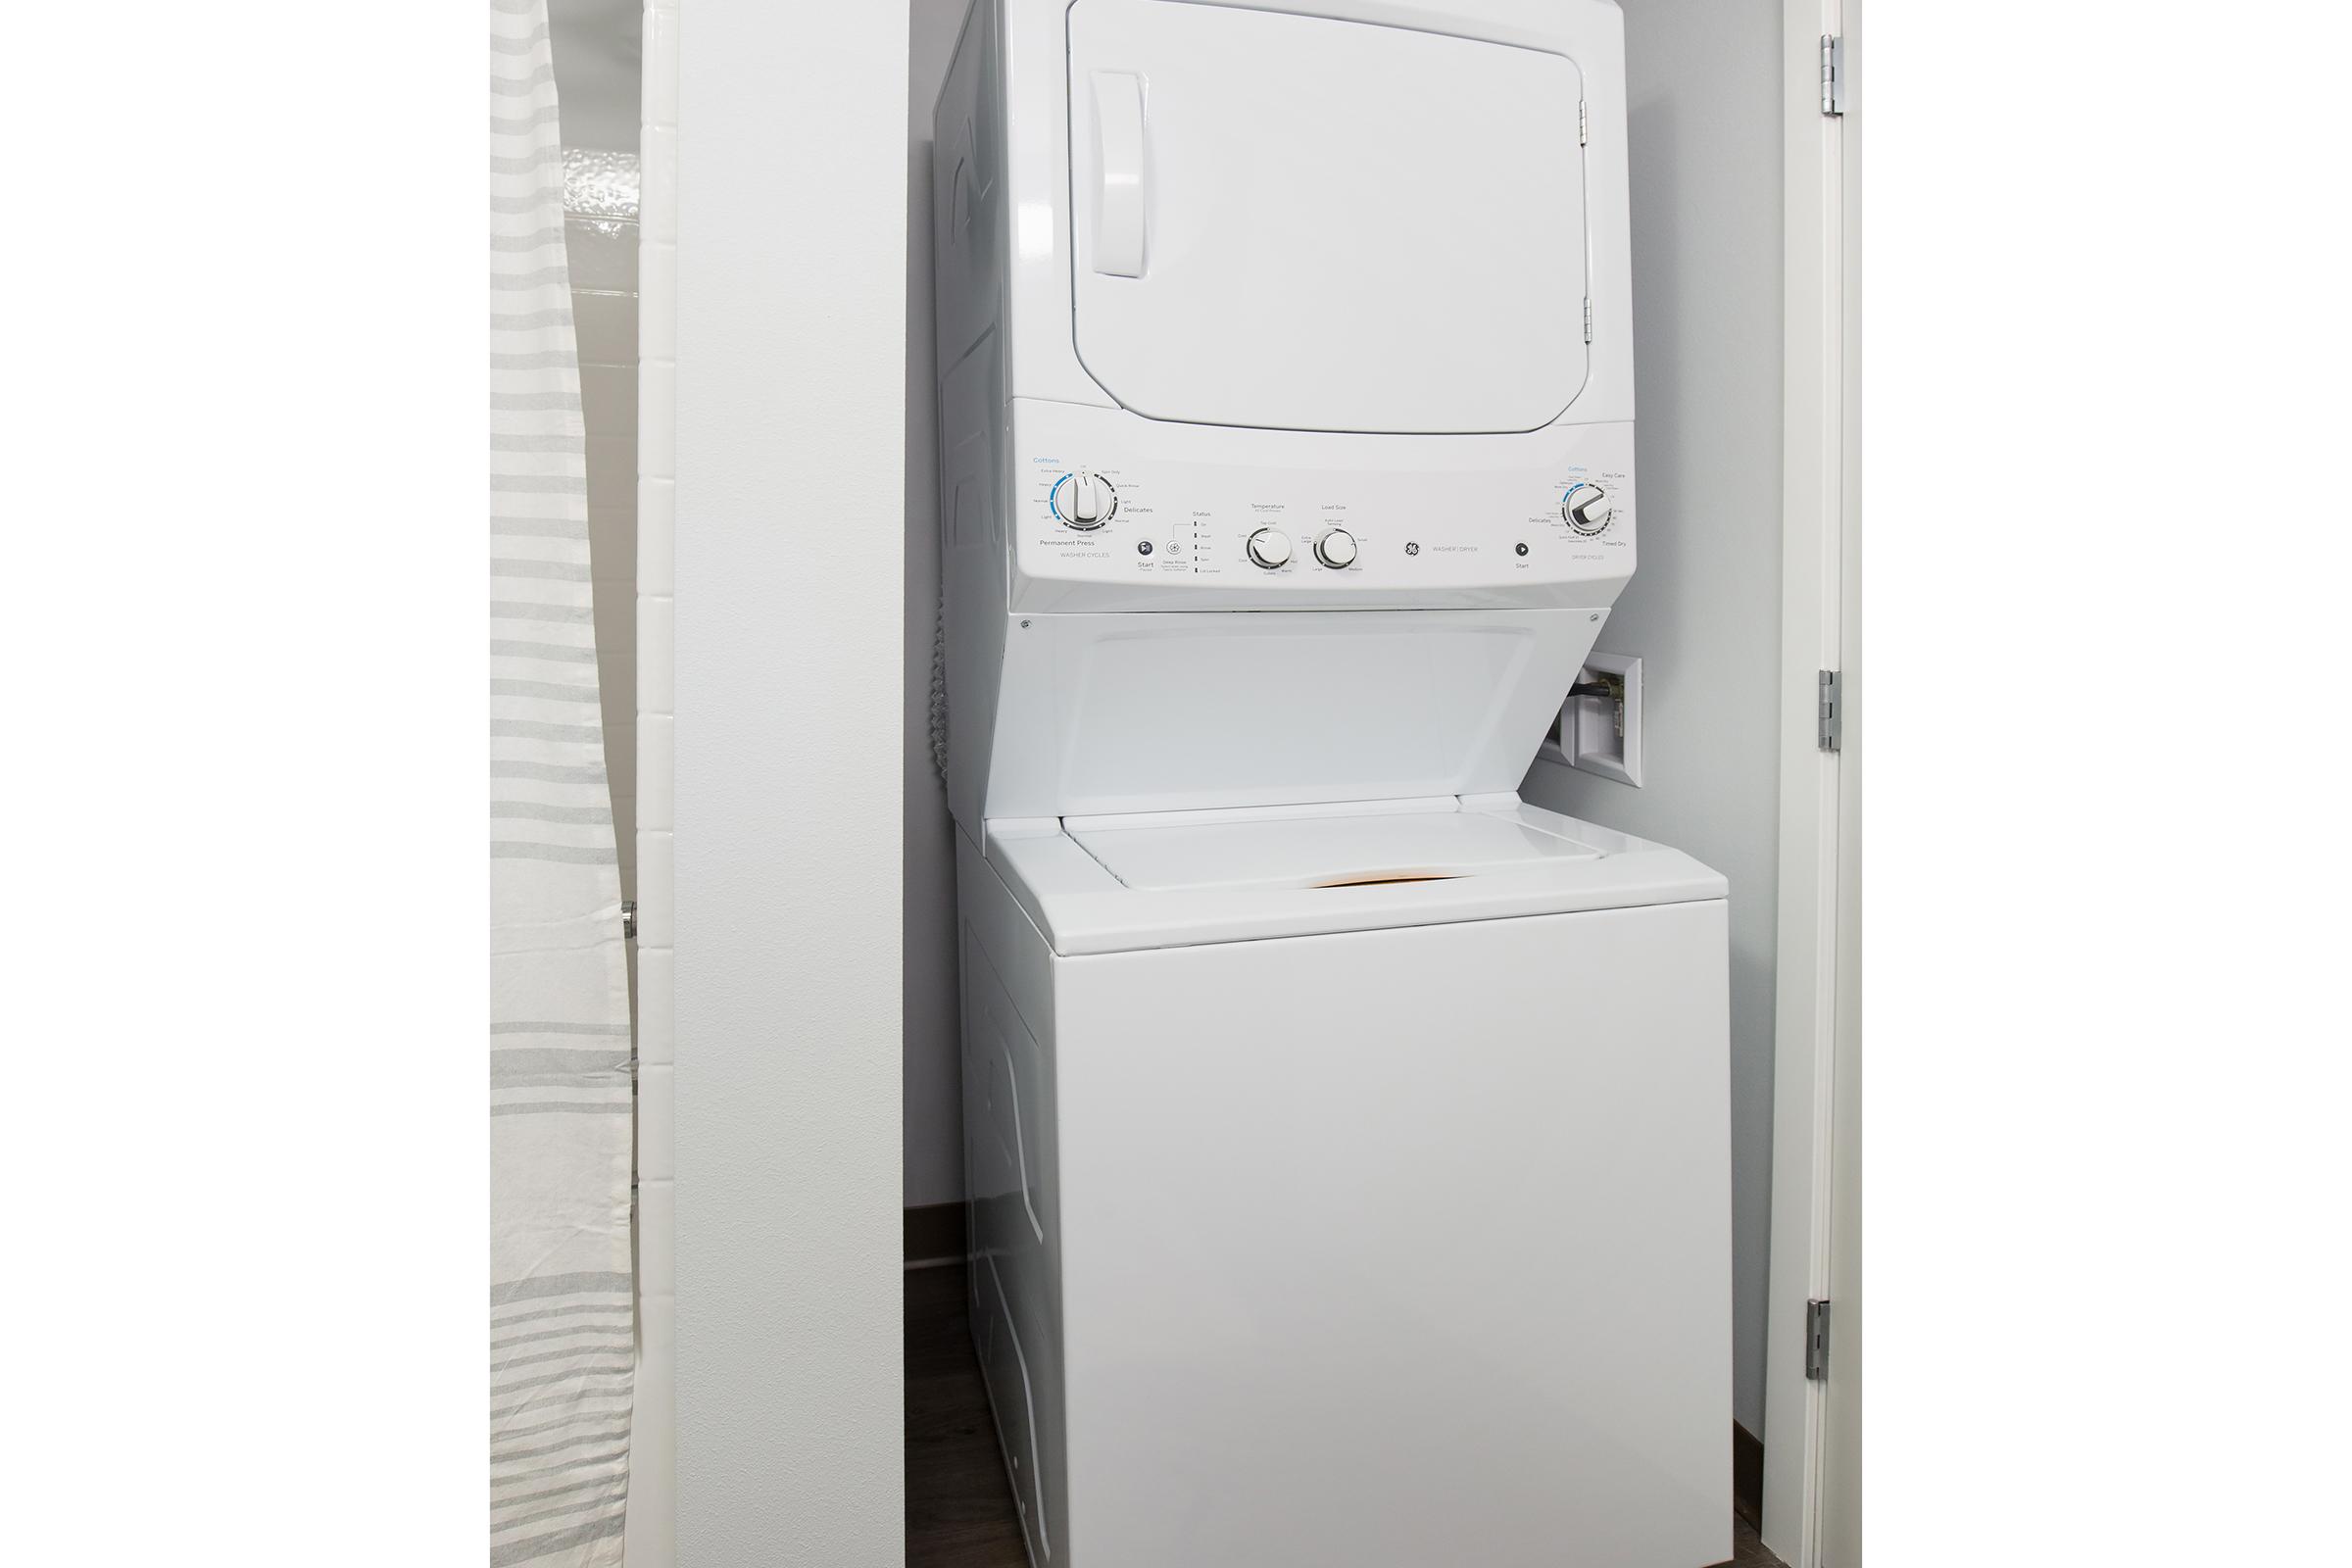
1817 1341
1588 319
1583 122
1833 73
628 920
1831 714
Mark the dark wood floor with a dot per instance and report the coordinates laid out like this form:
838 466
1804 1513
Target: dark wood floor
959 1504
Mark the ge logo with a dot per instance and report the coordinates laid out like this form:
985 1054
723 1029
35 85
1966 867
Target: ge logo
1412 550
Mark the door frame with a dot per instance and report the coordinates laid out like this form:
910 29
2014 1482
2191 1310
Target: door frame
1812 1469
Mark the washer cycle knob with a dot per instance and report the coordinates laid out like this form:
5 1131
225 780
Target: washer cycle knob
1335 548
1587 509
1270 548
1085 500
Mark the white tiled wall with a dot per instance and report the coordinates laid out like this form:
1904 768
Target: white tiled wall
601 246
651 1540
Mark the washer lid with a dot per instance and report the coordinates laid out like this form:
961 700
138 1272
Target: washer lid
1099 885
1294 223
1327 851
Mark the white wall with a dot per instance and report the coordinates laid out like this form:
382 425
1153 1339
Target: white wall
652 1537
602 247
598 47
789 583
595 49
933 1075
1703 86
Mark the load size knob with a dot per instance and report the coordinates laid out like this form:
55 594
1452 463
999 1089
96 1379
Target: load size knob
1587 509
1270 548
1335 548
1084 500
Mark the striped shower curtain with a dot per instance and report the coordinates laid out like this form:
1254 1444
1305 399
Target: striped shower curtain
561 1287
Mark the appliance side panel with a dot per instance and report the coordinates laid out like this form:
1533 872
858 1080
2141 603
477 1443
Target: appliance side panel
967 188
969 230
1444 1211
1011 1168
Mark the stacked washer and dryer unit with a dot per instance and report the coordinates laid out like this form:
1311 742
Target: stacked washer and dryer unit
1346 1139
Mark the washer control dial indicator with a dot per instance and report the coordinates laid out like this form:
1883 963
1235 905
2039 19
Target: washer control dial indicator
1587 510
1335 548
1084 500
1270 548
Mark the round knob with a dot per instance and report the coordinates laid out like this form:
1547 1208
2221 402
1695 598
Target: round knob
1086 500
1587 509
1335 548
1270 548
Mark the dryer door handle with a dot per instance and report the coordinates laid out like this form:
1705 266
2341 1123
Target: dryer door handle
1119 172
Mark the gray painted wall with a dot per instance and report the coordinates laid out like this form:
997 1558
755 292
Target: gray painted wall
791 326
1704 85
934 1159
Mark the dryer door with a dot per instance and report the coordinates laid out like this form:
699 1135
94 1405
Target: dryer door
1294 223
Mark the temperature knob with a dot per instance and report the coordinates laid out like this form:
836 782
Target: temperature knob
1270 548
1335 548
1587 509
1086 500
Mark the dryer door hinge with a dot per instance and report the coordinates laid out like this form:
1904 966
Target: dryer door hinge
1588 319
628 920
1583 122
1833 73
1817 1341
1831 712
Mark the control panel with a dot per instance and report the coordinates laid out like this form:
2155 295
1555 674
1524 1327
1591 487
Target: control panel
1384 515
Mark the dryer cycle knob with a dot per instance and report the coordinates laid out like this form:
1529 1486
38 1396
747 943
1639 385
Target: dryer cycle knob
1270 548
1587 509
1085 500
1335 548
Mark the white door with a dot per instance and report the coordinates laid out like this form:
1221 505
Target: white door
1294 223
1813 1402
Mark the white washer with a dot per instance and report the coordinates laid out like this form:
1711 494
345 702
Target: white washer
1347 1143
1350 1187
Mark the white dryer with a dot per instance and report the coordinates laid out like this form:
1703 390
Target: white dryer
1346 1141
